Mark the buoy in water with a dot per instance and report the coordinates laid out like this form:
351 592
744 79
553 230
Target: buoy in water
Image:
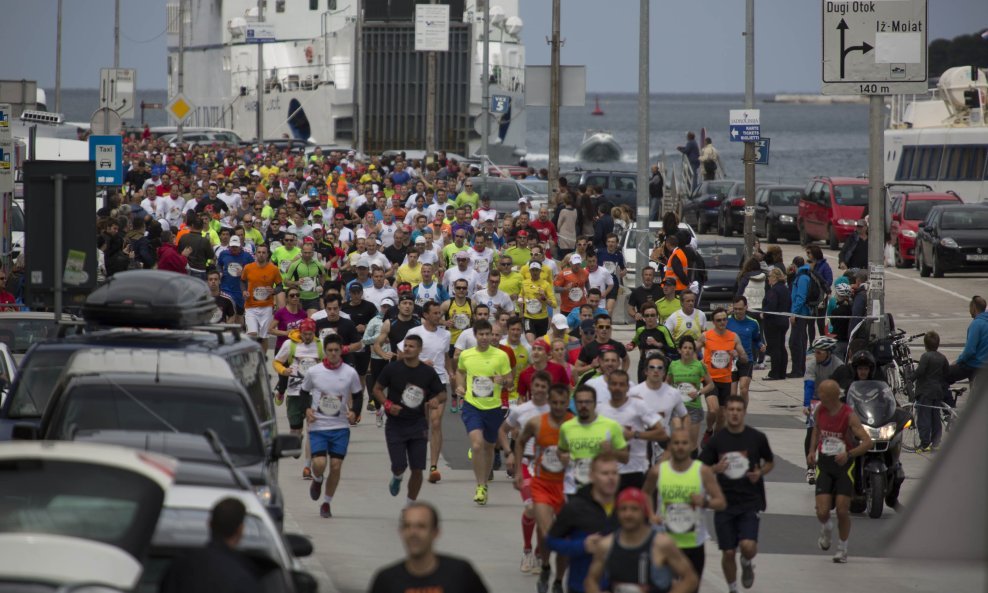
597 110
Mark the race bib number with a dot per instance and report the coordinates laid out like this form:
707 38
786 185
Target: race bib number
581 471
575 293
533 305
461 321
685 389
832 446
283 265
720 359
412 397
680 517
262 293
234 269
307 284
610 266
550 460
330 405
326 331
217 316
483 386
275 246
737 465
481 265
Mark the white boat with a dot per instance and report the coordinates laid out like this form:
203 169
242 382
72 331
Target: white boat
941 139
313 71
599 146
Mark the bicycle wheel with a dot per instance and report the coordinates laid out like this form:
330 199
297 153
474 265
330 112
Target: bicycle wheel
910 437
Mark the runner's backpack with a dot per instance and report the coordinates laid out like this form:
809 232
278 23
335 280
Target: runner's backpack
816 293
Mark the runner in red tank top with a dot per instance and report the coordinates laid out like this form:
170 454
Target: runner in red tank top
832 450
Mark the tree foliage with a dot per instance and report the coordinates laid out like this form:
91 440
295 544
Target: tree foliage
964 50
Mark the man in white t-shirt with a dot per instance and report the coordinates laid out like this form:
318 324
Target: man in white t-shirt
292 361
462 270
610 361
661 398
379 289
598 277
330 387
640 426
496 300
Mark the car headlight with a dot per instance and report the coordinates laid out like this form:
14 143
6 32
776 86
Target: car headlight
949 243
910 234
883 433
264 494
785 218
846 221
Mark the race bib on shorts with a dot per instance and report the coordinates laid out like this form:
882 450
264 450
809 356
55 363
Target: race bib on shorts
533 305
581 471
262 293
461 321
680 517
483 386
330 405
307 284
720 359
575 293
550 460
234 269
737 465
412 397
832 446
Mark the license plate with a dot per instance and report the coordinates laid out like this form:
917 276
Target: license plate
977 257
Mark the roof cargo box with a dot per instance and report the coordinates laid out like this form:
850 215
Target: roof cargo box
150 298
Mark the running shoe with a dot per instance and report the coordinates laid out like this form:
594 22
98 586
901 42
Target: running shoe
810 476
747 573
324 511
434 475
543 584
840 557
306 473
279 398
394 486
379 419
527 562
824 540
557 587
536 566
480 497
314 489
453 407
497 460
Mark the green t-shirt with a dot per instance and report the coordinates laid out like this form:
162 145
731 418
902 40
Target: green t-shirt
667 308
449 251
283 257
309 276
465 199
482 390
683 376
582 441
520 256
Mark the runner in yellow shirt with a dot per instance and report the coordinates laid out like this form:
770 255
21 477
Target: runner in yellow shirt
535 297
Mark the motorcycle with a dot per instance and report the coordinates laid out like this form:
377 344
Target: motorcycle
878 475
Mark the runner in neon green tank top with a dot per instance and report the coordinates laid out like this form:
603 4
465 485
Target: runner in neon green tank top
690 376
583 437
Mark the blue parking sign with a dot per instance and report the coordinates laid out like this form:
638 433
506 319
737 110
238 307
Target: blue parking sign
107 153
500 104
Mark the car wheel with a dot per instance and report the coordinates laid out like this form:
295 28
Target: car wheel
832 241
701 225
900 262
937 268
728 228
804 240
921 264
770 233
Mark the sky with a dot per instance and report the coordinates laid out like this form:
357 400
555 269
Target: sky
696 45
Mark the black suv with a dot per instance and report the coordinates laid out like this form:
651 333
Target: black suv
620 188
776 209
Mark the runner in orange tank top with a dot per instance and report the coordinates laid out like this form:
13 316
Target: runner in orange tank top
721 347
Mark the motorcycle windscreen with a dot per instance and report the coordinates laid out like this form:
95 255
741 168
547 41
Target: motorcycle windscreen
872 401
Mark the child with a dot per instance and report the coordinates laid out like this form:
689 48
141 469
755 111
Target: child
931 387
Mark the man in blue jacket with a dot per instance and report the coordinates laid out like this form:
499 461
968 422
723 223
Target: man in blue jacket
749 331
797 335
974 357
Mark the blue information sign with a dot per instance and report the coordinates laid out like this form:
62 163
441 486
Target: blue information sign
107 153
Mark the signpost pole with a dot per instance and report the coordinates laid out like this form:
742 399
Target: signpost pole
642 217
430 103
485 101
554 100
181 67
359 78
58 60
876 216
6 184
260 78
59 180
749 147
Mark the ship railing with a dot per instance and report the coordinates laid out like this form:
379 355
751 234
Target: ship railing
293 78
507 78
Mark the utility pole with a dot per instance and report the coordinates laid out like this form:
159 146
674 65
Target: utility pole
430 102
749 147
485 100
876 216
359 77
643 128
554 100
116 33
260 78
181 62
58 60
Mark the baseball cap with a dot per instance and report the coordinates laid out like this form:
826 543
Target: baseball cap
534 265
307 325
388 301
420 240
235 241
308 240
363 262
670 281
559 321
575 259
462 255
361 233
406 296
339 216
586 326
522 233
356 286
317 226
523 199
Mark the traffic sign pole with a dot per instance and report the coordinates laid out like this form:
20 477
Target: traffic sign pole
749 147
876 217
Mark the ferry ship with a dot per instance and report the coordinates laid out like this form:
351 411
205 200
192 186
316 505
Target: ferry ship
941 139
330 58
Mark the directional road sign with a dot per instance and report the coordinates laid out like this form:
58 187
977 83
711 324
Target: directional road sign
875 47
116 90
745 125
258 33
107 153
761 151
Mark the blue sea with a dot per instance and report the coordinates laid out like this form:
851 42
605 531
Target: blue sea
806 140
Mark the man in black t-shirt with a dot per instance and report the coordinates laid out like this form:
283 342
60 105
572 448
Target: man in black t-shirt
741 457
408 389
647 293
423 569
361 312
589 354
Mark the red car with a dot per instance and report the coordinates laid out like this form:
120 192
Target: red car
908 210
829 208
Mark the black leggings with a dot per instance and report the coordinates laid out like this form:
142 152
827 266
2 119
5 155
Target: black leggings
806 442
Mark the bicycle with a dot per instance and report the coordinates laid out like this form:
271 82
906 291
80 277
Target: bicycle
948 417
901 372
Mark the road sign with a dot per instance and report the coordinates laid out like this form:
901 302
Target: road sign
745 125
746 133
259 33
107 153
874 47
105 121
180 108
500 104
432 27
761 151
116 90
7 160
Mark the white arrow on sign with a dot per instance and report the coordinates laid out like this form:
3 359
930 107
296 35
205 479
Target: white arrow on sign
734 133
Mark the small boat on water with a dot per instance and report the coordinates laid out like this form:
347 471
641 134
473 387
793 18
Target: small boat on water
599 146
597 110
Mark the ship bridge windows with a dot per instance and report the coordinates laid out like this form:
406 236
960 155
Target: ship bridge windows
963 162
919 163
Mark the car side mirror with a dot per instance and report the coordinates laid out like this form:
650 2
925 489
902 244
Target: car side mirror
286 445
304 582
25 432
922 224
300 545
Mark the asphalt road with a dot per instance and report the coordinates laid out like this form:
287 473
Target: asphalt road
362 535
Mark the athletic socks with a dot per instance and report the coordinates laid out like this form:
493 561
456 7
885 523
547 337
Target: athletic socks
327 499
317 479
732 587
527 528
842 545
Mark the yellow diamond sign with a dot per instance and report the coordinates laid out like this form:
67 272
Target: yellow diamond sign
180 108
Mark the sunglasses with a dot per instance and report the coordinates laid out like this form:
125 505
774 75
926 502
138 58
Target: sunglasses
603 327
459 287
655 368
293 295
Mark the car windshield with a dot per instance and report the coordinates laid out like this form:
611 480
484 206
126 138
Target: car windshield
35 381
716 188
721 256
534 187
75 499
108 405
784 197
918 209
17 220
189 528
20 333
851 195
504 194
957 219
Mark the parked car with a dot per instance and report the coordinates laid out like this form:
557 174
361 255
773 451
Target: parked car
906 212
953 237
776 209
722 259
504 192
536 190
702 206
829 208
77 513
730 216
8 372
19 330
618 187
633 236
197 135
